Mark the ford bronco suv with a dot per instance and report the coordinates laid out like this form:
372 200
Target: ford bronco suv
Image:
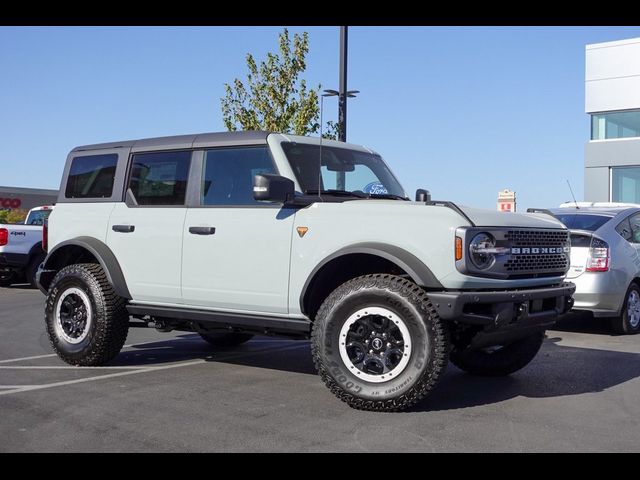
236 234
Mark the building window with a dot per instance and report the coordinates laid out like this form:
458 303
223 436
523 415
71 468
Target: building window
615 125
625 184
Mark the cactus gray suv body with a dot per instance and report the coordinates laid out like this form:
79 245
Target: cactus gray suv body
243 233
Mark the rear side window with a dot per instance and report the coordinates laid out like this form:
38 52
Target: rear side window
624 230
634 220
160 178
91 176
228 174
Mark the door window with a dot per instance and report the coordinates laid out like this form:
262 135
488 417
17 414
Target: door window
160 178
227 178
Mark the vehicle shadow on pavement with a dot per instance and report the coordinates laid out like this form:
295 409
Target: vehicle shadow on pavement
261 352
557 371
584 322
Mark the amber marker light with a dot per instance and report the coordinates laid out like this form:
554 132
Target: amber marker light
458 248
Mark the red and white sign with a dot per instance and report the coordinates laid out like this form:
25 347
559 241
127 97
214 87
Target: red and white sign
10 202
506 201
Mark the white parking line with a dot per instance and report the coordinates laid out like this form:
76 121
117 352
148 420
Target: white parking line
72 367
36 357
133 370
91 379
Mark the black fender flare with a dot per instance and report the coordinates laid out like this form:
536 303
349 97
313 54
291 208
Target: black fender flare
105 257
408 262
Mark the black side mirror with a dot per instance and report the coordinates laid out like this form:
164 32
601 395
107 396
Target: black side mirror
272 188
423 195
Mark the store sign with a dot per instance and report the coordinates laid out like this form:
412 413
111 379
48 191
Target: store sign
10 202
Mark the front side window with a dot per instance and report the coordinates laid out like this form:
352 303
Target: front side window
361 173
160 178
625 184
91 176
227 178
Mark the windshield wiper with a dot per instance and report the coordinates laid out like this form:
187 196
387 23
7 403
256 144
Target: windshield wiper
390 196
338 193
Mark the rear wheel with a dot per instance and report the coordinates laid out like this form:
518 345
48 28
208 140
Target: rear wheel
629 322
378 343
32 268
226 339
500 360
86 321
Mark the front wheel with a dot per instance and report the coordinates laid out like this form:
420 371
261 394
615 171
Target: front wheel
86 321
500 360
629 322
378 343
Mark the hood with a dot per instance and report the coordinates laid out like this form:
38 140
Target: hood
490 218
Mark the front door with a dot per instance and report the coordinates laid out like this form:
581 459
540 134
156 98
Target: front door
236 250
145 233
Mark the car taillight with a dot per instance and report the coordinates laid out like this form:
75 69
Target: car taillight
4 236
598 260
45 235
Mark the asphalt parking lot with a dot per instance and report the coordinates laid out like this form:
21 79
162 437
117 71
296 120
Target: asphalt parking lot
172 392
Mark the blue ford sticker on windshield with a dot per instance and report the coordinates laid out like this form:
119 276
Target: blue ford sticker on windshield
375 188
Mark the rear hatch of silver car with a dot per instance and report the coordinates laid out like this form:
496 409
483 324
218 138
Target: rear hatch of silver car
580 245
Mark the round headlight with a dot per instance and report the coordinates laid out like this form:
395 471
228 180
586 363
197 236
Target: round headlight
481 251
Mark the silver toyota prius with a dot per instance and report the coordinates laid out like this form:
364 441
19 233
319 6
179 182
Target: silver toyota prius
605 259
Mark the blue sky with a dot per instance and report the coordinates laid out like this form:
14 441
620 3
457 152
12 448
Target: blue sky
461 111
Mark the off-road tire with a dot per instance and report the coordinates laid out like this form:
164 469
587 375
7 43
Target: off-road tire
499 363
622 325
109 325
429 338
32 269
226 339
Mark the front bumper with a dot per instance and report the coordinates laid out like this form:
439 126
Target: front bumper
505 315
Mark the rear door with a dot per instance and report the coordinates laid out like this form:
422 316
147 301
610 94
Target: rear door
145 232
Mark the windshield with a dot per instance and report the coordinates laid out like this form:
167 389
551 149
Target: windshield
361 173
581 221
37 217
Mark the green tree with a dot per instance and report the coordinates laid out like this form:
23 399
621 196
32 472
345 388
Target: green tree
273 96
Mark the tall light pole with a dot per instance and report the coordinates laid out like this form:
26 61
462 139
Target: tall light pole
342 98
343 94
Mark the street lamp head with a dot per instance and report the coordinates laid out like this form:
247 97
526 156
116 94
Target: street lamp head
330 93
352 93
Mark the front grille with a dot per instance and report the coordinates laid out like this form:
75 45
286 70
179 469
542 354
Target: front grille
537 238
532 263
517 265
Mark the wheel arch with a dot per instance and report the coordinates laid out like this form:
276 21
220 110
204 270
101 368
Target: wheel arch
361 259
84 249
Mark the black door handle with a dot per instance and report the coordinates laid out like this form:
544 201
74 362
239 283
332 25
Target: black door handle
123 228
202 230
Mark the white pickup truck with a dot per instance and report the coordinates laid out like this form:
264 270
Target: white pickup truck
21 248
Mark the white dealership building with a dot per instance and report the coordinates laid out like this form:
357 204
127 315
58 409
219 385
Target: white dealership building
612 99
